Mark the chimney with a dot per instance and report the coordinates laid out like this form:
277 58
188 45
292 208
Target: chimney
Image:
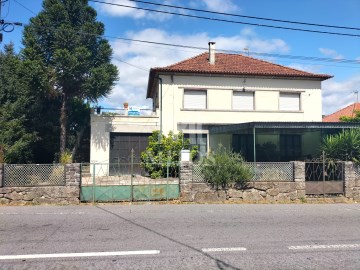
212 53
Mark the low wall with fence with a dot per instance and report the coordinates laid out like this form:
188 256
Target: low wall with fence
271 182
40 184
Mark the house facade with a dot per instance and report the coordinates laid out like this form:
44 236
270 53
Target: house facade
212 90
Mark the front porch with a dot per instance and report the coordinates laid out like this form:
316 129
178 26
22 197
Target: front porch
275 141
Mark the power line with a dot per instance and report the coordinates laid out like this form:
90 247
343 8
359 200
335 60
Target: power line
244 16
229 21
296 57
25 7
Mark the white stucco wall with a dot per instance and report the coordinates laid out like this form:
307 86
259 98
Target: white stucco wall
219 100
102 125
219 110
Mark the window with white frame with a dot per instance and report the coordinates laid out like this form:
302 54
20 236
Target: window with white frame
195 99
289 102
243 101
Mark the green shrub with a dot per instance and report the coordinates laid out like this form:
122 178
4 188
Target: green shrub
65 157
343 146
164 154
224 168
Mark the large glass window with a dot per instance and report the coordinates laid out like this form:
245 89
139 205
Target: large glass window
200 140
195 99
289 102
243 101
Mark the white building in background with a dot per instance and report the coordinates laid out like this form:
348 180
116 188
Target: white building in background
210 90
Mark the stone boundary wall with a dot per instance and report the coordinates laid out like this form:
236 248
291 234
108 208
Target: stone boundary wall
352 182
257 192
68 194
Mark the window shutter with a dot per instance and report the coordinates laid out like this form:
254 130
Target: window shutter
243 100
289 102
195 99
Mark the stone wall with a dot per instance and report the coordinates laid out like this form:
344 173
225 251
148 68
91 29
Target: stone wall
352 182
256 191
67 194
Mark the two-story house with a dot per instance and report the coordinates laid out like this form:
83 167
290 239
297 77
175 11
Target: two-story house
267 111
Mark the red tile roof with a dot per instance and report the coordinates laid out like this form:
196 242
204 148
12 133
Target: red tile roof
232 64
347 111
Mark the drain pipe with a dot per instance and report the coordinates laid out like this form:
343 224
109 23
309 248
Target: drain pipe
161 82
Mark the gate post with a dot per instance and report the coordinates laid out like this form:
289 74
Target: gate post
1 174
299 178
349 179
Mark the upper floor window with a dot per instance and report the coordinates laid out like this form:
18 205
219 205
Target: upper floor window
243 101
289 102
195 99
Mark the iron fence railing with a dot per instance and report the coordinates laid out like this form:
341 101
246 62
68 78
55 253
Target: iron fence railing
272 171
324 171
356 168
128 174
24 175
260 171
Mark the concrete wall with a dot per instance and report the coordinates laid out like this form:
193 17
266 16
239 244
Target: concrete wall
68 194
219 100
102 125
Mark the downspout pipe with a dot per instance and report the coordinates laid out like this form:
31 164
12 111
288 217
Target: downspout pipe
161 84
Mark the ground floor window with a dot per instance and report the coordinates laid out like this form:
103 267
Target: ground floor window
200 140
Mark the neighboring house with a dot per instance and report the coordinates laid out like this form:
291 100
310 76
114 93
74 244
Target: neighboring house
266 111
349 111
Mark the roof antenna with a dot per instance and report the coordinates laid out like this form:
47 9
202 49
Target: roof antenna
357 95
247 50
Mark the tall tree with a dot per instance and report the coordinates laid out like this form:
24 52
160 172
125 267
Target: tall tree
16 138
66 40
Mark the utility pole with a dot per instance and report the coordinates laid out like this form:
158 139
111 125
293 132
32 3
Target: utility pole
6 26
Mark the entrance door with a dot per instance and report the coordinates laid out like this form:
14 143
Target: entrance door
121 145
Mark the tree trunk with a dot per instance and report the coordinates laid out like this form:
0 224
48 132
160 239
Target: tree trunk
79 136
63 123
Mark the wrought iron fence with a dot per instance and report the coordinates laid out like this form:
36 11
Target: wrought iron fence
260 171
324 171
356 168
25 175
272 171
127 173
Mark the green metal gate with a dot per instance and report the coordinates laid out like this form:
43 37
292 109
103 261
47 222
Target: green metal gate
113 182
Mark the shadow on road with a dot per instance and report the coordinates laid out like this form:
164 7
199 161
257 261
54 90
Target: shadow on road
220 264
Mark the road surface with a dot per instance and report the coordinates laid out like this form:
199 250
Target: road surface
160 236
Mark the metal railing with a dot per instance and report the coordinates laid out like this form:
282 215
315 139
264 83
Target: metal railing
29 175
356 168
260 171
126 174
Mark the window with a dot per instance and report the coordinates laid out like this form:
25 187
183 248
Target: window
289 102
195 99
243 100
290 147
200 140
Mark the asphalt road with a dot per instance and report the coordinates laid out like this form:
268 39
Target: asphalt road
159 236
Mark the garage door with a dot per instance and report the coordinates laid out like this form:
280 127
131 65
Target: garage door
121 145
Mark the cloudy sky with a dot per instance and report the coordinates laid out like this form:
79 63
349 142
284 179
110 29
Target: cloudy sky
124 25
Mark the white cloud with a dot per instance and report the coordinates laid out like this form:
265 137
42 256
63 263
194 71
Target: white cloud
339 94
122 11
114 10
133 80
221 5
305 67
331 53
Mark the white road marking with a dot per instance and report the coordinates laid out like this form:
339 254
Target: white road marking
50 213
324 246
85 254
223 249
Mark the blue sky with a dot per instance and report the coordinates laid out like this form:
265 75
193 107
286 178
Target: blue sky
135 59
